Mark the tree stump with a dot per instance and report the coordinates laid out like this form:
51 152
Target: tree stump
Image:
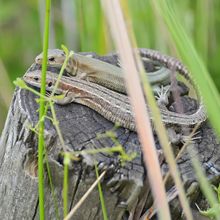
125 187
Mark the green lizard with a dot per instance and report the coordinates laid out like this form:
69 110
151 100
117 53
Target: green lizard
110 76
97 71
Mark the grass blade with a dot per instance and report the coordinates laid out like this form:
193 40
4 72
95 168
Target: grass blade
42 113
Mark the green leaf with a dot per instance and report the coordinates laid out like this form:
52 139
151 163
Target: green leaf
20 82
65 49
211 212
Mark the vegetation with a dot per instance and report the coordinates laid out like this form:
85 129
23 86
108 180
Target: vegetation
21 25
81 25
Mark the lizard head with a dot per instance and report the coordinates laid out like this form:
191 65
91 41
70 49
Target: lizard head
55 57
33 78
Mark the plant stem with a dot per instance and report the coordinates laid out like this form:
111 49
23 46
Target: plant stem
42 113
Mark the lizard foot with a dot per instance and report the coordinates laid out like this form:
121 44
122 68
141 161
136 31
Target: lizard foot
162 94
188 139
68 98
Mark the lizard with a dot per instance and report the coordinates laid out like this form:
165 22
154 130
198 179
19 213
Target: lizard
97 71
111 76
110 104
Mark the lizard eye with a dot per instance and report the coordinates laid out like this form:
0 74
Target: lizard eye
51 59
50 84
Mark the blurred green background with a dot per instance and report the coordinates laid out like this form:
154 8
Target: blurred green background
80 25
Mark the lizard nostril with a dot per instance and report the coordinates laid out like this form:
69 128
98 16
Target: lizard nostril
36 78
50 84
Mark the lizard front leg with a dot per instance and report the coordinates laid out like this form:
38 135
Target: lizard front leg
68 98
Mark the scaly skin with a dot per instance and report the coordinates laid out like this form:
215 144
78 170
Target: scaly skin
97 71
111 105
112 77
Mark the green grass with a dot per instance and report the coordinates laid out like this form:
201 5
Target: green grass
42 112
65 184
101 196
199 72
20 45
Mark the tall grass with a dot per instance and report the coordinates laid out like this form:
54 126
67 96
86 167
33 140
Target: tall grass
91 31
193 61
121 37
6 92
19 44
199 72
202 34
42 112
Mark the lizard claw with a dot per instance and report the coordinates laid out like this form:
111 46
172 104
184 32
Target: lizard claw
186 138
162 94
66 100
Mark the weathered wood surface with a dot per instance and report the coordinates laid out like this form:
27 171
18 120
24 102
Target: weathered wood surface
80 126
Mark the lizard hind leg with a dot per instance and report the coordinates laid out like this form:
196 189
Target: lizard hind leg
162 94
